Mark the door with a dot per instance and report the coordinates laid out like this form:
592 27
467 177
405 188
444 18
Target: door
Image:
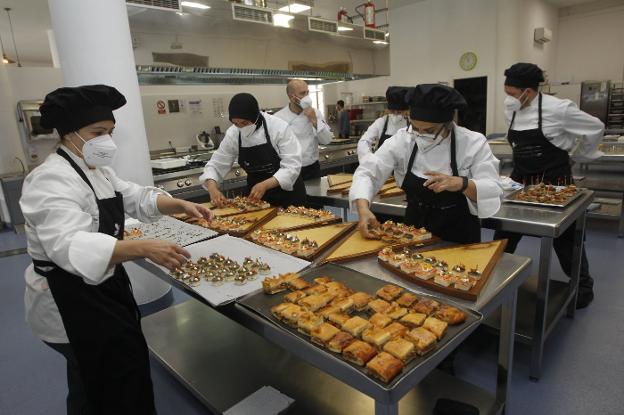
475 92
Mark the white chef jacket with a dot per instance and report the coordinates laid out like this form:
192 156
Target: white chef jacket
373 135
308 136
62 221
282 139
563 123
474 160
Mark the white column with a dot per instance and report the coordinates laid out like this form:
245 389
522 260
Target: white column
56 61
95 47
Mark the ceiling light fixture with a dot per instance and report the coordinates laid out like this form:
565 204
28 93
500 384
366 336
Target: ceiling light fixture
282 20
195 5
4 58
295 8
380 42
344 29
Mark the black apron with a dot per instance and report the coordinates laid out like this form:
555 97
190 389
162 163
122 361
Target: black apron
445 214
535 158
383 137
311 171
260 163
103 325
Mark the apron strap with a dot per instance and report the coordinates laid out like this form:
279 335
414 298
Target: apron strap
81 173
539 115
385 127
410 163
453 155
266 134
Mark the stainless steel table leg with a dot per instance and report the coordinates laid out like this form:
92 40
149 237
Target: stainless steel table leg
621 224
577 253
345 214
386 409
506 351
541 307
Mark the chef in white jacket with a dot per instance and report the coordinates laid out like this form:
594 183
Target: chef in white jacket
308 125
78 296
386 126
545 133
448 173
266 148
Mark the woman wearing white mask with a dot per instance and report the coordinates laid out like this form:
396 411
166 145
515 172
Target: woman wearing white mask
386 126
265 148
78 295
448 172
307 124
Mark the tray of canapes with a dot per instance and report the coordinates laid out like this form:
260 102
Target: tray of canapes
299 217
382 331
225 268
239 204
459 271
545 195
389 234
239 224
304 243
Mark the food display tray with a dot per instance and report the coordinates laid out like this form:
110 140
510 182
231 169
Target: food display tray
169 229
510 198
261 303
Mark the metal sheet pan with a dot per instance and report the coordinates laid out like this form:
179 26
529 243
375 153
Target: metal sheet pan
510 198
261 303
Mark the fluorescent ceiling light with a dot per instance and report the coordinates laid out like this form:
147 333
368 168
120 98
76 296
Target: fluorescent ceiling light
195 5
282 20
295 8
380 42
344 29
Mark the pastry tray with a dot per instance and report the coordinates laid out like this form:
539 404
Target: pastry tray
172 230
261 303
510 198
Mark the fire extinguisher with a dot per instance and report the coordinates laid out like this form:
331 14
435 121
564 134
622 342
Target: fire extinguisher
343 16
369 14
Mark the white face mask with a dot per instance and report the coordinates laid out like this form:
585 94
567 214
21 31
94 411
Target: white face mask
396 118
98 151
247 130
514 104
305 102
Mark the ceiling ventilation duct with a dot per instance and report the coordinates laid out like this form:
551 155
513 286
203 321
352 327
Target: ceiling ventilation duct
374 34
252 14
321 25
171 5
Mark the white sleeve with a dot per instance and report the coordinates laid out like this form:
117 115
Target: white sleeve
484 173
323 132
289 151
54 207
588 128
221 160
372 173
365 144
140 202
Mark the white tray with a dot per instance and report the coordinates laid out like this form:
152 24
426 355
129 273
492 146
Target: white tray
237 249
172 230
168 163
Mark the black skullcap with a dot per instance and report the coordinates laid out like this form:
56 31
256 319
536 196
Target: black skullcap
524 75
244 106
395 95
434 103
71 108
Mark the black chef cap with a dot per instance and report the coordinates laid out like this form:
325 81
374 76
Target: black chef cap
524 75
71 108
395 95
434 103
244 106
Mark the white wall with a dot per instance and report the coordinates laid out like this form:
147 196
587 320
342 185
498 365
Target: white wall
591 46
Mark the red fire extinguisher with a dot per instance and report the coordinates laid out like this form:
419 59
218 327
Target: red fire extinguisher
369 14
343 16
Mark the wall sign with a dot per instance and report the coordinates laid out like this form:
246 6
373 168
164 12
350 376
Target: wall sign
160 107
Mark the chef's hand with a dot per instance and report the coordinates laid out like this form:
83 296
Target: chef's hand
216 197
439 182
164 253
195 210
367 219
257 192
311 114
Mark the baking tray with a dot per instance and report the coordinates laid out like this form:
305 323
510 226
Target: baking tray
172 230
510 199
306 223
269 214
261 303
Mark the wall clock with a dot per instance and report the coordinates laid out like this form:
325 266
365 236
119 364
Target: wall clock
468 61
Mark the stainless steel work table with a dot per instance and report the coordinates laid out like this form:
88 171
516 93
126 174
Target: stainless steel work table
546 302
221 363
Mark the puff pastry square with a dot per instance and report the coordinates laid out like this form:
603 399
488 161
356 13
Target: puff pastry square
395 311
360 300
322 280
380 320
340 341
437 327
400 348
308 322
298 284
396 329
355 326
423 340
378 306
359 352
389 292
294 296
406 299
413 320
426 306
384 367
338 318
376 336
322 334
451 315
